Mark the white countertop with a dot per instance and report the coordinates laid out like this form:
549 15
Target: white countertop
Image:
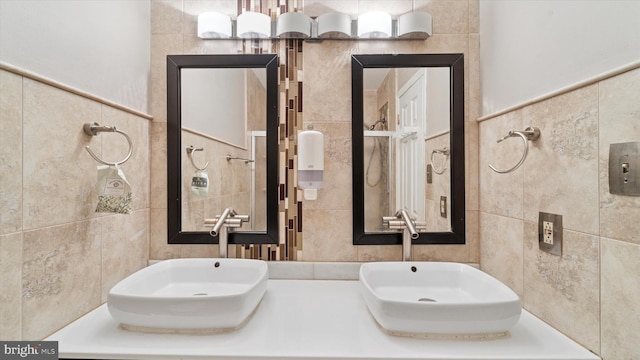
308 319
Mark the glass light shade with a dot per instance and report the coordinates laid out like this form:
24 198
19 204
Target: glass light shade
253 25
293 25
374 24
334 25
214 25
415 25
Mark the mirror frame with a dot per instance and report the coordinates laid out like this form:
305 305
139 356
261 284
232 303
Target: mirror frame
174 147
455 62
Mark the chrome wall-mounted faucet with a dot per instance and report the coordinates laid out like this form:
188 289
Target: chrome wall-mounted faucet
410 229
224 223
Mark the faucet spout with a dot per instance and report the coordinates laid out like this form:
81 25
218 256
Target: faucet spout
408 223
409 233
221 224
409 227
221 221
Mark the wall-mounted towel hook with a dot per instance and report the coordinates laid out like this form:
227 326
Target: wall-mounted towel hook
190 150
246 161
93 129
445 153
529 134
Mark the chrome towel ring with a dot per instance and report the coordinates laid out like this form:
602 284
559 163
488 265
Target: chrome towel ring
190 150
445 153
529 134
93 129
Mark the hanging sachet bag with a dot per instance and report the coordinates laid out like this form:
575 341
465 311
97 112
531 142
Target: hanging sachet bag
114 191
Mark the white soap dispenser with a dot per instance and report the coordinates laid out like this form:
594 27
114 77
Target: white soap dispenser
310 162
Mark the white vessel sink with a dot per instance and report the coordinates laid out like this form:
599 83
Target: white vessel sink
437 298
190 294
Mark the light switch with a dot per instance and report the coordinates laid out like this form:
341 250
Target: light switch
624 169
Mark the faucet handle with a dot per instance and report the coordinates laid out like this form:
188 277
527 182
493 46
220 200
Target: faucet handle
421 226
387 219
211 222
243 218
396 224
233 220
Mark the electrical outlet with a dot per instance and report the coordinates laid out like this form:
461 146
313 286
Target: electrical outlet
550 233
547 232
443 206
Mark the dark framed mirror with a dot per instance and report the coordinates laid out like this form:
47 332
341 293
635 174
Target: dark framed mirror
222 125
408 145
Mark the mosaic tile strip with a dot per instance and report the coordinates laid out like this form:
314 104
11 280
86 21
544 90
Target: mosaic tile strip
290 102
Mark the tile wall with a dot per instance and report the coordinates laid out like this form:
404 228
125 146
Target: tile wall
591 292
440 184
222 191
58 258
173 31
229 181
326 222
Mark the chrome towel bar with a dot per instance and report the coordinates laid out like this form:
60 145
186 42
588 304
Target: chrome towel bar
246 161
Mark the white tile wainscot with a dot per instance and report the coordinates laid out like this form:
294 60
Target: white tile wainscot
309 319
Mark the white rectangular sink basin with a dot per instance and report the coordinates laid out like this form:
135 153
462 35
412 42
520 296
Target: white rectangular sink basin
437 298
190 294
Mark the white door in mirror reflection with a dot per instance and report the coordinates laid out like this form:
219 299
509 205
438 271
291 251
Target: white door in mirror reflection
410 146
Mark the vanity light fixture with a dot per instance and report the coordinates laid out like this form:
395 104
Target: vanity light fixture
214 25
334 26
293 25
374 25
415 25
254 25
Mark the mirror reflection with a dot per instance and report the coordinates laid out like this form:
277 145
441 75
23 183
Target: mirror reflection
406 129
408 147
223 132
222 146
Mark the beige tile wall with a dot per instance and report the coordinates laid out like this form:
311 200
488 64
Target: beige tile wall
591 292
440 184
329 107
58 258
327 225
173 31
229 181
